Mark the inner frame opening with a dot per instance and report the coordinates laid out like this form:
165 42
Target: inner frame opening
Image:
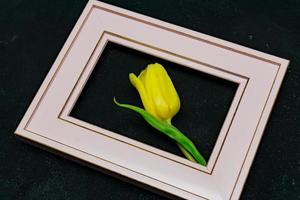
205 100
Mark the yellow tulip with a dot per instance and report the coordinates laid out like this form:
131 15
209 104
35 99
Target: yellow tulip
161 103
157 92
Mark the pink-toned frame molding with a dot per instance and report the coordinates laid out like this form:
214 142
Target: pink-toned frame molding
259 75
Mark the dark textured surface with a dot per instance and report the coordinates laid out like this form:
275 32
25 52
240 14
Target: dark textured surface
110 78
33 32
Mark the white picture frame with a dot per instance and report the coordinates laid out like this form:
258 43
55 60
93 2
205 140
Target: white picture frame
259 76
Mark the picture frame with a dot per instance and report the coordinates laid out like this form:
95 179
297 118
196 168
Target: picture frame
258 75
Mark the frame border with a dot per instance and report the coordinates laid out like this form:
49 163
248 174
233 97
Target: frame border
282 66
64 113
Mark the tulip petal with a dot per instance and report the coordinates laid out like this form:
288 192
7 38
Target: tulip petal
171 93
153 88
142 76
142 92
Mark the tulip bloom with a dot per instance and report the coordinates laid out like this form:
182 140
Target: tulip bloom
157 92
161 103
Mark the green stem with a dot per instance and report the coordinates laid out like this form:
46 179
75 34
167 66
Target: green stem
169 130
182 149
186 153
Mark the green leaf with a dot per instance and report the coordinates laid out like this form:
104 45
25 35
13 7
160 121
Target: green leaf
169 130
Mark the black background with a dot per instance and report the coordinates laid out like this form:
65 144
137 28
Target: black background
32 34
202 111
